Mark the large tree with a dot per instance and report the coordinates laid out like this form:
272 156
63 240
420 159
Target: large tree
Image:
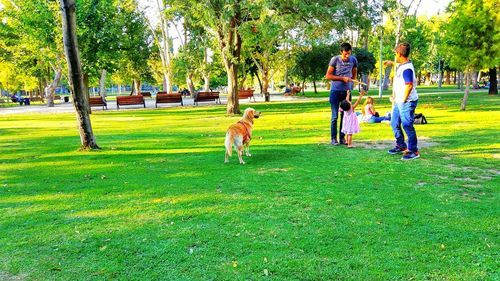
311 63
472 39
134 43
80 103
98 36
29 40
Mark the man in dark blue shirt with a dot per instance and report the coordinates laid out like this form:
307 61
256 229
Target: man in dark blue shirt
341 71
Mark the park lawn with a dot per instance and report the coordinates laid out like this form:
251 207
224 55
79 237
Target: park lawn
157 202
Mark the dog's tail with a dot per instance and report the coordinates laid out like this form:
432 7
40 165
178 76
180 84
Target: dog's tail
229 143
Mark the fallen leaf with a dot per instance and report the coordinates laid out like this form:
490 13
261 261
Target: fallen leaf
235 263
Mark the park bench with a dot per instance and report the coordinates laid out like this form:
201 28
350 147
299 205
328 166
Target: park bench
243 94
164 97
130 100
98 101
37 98
146 94
206 96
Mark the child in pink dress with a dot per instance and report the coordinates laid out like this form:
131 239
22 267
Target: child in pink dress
350 124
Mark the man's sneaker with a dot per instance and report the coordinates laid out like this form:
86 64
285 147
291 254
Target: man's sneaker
410 155
396 150
334 142
343 142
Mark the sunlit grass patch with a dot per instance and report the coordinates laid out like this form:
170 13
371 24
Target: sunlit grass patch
157 201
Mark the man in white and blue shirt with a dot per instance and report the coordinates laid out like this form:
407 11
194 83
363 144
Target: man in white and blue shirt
341 71
405 99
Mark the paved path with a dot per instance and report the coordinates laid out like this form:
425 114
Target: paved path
150 104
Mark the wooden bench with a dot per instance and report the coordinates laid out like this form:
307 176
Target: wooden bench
146 94
98 101
243 94
207 96
37 99
130 100
163 97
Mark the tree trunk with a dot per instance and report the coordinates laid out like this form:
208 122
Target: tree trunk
364 79
51 88
265 84
241 84
286 76
40 92
264 71
75 78
189 82
447 79
233 103
498 74
86 84
230 42
137 87
260 83
440 75
473 77
460 80
387 73
206 82
466 94
493 90
165 54
206 71
428 80
102 84
314 84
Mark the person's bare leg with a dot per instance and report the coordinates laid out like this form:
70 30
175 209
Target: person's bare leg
349 141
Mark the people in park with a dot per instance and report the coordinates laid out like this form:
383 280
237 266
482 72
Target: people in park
342 69
14 98
185 92
350 123
405 100
370 115
18 98
292 90
295 89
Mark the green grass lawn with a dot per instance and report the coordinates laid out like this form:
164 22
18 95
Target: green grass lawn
157 202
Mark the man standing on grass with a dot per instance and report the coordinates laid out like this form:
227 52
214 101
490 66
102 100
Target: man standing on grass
341 71
404 99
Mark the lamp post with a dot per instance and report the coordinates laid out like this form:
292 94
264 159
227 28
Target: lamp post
380 54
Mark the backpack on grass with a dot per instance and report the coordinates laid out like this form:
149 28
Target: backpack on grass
419 119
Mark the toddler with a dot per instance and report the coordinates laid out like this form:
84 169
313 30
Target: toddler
350 124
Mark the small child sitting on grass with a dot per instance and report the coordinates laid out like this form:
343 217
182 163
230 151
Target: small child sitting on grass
350 124
370 115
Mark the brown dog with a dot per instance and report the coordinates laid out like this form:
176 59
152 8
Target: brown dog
240 134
